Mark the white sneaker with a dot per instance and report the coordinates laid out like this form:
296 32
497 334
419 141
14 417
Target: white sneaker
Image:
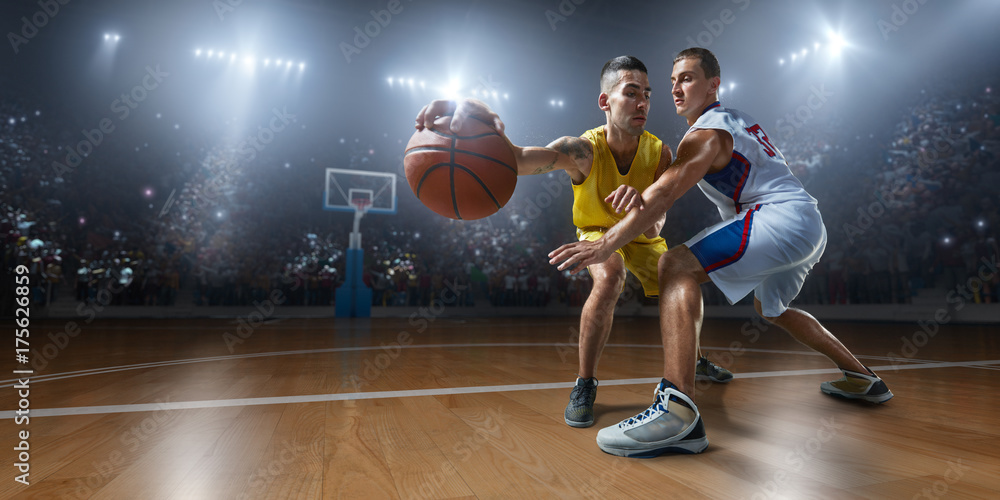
663 428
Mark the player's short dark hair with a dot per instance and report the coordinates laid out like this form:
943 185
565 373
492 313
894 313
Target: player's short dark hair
709 64
609 73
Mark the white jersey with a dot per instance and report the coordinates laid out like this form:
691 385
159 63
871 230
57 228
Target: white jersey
757 173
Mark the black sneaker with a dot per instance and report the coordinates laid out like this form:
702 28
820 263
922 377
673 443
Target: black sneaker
854 385
707 370
580 410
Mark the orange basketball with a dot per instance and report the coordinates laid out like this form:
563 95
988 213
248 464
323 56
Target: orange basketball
466 176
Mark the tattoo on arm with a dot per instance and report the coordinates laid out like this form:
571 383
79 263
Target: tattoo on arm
547 168
574 148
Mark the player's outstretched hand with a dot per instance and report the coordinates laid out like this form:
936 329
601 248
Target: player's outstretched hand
624 199
578 256
459 111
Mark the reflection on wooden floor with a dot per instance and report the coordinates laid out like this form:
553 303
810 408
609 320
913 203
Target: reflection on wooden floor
446 408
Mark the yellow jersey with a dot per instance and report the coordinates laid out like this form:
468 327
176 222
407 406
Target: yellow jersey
589 208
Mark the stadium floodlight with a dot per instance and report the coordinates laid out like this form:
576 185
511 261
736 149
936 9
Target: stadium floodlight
197 52
389 79
815 46
288 64
453 89
805 52
107 37
248 60
506 96
781 62
210 53
277 62
267 62
302 66
117 37
794 55
423 84
732 85
221 54
410 81
232 57
837 43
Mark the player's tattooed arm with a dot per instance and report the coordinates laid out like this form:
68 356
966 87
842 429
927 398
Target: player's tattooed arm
577 148
573 154
548 167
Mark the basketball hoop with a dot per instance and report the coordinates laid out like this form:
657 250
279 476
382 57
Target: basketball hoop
361 205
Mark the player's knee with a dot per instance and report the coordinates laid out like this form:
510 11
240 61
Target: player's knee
669 266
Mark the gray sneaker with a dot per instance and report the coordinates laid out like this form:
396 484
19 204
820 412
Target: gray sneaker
707 370
580 410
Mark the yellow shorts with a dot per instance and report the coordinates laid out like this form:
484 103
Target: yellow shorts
641 257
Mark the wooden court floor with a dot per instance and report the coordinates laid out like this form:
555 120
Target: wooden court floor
472 408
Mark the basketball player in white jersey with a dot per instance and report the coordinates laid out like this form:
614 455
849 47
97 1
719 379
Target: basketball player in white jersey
770 237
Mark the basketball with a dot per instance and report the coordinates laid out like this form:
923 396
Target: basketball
464 176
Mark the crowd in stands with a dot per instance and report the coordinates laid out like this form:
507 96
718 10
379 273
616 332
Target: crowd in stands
915 209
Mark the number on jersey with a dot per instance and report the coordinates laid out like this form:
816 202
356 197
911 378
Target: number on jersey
761 137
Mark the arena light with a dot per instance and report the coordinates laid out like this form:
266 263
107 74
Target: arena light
210 53
277 62
781 62
453 89
288 64
302 66
837 43
389 79
267 62
197 52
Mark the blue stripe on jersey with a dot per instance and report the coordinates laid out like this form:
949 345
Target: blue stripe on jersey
726 245
732 178
711 106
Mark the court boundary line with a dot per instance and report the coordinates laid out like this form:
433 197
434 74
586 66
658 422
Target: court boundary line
158 364
355 396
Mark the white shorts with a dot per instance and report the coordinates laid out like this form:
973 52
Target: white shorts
765 248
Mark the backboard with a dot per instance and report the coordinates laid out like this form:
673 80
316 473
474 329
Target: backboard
344 186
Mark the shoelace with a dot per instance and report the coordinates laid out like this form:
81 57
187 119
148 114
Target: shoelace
648 412
583 395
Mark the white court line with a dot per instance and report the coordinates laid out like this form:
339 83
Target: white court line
318 398
156 364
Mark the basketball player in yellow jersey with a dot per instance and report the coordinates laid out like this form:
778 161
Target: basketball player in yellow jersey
619 152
